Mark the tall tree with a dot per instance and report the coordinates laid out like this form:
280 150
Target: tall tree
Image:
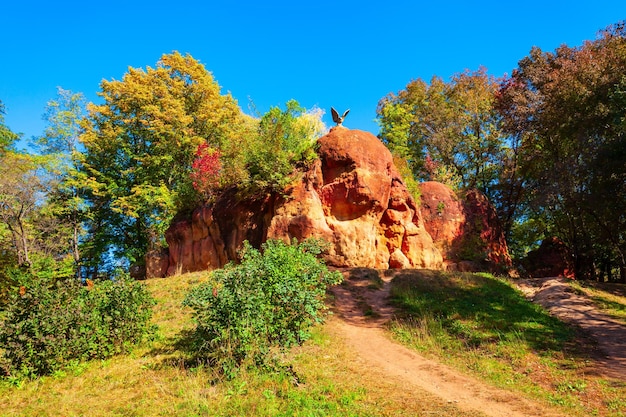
60 142
448 131
451 132
140 145
20 190
566 108
7 137
15 198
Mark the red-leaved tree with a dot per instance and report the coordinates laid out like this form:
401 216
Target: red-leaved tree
206 170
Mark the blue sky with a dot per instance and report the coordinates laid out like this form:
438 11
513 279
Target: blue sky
346 54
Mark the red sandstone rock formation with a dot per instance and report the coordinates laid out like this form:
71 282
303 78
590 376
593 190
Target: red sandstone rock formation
466 231
353 197
552 259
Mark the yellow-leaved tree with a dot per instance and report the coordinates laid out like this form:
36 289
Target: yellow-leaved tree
140 144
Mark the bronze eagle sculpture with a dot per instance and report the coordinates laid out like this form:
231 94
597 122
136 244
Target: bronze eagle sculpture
336 118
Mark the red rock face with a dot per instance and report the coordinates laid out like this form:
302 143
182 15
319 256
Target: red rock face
467 231
355 199
551 259
444 217
352 197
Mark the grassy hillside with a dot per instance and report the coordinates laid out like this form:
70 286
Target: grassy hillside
158 379
483 326
477 323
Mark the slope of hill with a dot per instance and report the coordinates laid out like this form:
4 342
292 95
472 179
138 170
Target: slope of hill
351 366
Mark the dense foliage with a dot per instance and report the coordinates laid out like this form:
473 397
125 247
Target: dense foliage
566 108
49 322
164 141
546 145
284 138
140 145
271 299
205 171
451 132
448 132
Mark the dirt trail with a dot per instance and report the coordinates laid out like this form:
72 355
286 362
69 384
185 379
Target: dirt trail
362 313
610 335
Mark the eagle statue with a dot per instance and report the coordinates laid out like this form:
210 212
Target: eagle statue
336 118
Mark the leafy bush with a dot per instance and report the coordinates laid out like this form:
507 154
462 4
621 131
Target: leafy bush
270 299
50 323
284 139
205 170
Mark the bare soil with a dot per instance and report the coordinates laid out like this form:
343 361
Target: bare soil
607 334
362 309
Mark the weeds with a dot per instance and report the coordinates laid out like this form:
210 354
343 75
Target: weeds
481 324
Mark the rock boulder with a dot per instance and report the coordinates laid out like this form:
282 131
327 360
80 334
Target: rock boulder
466 230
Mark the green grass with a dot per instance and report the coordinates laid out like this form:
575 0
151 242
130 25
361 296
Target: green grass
611 303
160 378
483 326
475 322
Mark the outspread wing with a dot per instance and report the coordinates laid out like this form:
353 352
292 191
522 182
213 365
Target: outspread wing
345 113
336 118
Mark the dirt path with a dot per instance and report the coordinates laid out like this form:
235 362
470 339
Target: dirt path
610 336
363 311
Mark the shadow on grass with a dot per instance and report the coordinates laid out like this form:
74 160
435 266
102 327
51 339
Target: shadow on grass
478 309
180 351
187 351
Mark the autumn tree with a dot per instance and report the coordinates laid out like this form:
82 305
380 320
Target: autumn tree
448 132
567 110
140 144
451 132
205 171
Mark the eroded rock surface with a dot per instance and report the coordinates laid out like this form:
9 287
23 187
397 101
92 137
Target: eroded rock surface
466 230
353 197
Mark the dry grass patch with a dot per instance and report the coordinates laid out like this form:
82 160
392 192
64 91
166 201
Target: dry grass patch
609 298
321 378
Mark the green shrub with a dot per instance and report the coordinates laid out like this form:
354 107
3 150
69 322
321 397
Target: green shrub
284 139
50 323
270 299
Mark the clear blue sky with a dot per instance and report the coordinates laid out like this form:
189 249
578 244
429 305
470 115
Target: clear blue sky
346 54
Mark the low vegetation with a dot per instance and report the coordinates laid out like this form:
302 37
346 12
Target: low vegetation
269 300
51 324
162 377
483 326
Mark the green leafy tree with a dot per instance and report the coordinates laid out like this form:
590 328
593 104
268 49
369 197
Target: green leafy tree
566 109
65 200
7 137
452 132
140 145
448 132
284 139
